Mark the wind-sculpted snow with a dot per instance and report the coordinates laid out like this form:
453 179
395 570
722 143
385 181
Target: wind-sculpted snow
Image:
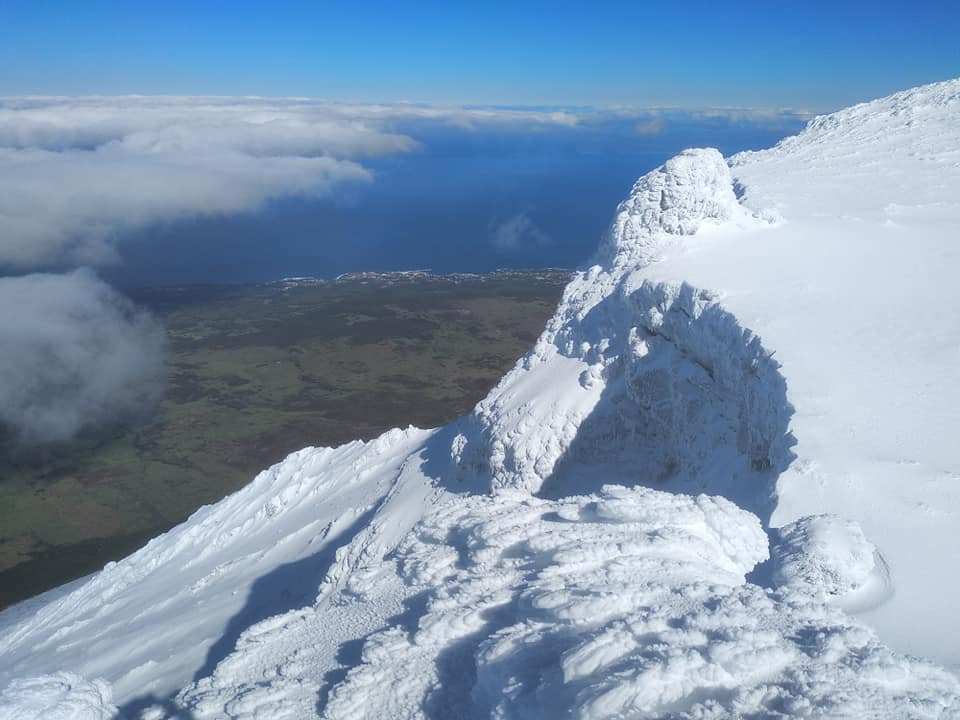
249 557
592 540
855 288
823 553
831 558
692 188
902 117
63 696
628 603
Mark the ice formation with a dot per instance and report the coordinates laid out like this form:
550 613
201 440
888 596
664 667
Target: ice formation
592 540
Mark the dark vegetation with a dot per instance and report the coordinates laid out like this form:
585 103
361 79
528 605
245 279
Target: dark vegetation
255 372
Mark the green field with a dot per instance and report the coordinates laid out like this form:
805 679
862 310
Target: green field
255 372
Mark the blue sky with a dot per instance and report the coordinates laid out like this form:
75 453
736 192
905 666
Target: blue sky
814 55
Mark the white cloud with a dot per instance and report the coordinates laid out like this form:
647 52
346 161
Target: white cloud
76 174
518 232
650 126
747 115
74 354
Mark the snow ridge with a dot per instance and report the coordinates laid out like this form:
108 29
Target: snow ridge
898 114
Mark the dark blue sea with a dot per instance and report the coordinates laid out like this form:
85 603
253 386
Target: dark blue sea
467 200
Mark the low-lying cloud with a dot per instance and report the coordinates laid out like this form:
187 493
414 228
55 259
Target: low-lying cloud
518 232
76 175
79 174
74 355
650 126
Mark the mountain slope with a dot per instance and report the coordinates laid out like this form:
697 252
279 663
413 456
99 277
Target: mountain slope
655 513
855 288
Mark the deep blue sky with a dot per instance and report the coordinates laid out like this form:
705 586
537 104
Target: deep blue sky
813 55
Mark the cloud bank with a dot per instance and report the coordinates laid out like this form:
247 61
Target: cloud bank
77 174
74 354
518 232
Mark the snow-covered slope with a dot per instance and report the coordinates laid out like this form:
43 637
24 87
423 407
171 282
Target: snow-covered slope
655 513
856 290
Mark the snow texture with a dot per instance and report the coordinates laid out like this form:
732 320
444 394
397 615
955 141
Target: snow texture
628 603
823 553
64 696
855 289
592 540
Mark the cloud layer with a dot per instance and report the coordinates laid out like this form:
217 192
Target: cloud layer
79 175
76 175
74 355
518 232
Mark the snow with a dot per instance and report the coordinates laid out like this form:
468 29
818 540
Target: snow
722 484
627 603
63 696
855 288
827 554
255 554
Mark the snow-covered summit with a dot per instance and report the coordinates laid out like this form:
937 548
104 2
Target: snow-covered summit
905 115
654 514
692 187
855 289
